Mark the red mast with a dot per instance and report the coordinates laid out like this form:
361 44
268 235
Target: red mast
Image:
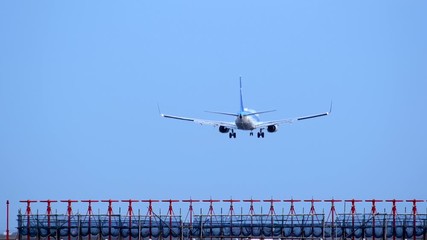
353 212
251 208
414 215
49 210
231 212
394 213
170 213
333 213
312 209
28 213
190 209
110 213
271 201
69 213
150 213
292 208
373 212
211 211
130 214
89 211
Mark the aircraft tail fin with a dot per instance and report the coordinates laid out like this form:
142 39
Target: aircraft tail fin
242 108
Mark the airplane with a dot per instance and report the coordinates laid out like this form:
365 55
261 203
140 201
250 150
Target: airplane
246 119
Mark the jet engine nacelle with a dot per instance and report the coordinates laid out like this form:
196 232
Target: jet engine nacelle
223 129
272 128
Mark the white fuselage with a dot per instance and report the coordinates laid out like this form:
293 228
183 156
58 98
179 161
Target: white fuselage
245 123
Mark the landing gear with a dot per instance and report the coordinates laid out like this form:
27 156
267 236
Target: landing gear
251 134
232 134
260 134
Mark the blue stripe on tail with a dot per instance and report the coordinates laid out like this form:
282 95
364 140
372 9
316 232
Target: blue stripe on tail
242 108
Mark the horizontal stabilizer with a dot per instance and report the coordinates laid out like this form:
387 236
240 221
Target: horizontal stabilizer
255 113
224 113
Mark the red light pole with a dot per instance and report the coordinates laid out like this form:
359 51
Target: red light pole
272 212
231 212
394 213
49 211
89 211
414 215
353 212
69 213
211 211
190 209
292 208
130 214
150 212
251 208
373 212
332 212
110 212
312 212
271 201
28 213
170 213
312 209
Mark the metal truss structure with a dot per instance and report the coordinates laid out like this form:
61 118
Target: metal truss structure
229 225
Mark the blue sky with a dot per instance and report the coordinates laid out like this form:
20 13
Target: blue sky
79 84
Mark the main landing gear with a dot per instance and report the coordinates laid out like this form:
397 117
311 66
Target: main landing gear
260 134
232 134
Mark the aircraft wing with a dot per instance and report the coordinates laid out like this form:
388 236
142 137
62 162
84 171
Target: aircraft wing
292 120
214 123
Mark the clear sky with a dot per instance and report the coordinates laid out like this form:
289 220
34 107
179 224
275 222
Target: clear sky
80 82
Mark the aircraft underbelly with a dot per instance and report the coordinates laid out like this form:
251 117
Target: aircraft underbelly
244 124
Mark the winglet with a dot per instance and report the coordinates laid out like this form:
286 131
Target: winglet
158 108
330 109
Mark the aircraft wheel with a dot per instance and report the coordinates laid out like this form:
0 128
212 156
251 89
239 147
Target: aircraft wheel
258 135
230 135
251 134
262 135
